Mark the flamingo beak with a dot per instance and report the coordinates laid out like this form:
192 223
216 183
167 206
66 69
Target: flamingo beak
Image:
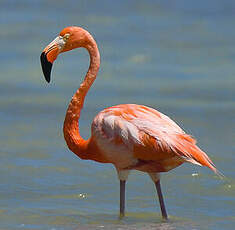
46 66
49 55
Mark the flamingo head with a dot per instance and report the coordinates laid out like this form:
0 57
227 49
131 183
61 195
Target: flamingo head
69 38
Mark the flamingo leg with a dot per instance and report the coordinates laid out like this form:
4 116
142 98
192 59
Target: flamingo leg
122 198
161 201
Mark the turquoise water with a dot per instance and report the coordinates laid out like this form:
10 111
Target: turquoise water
175 56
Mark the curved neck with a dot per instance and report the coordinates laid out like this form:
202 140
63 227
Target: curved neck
71 124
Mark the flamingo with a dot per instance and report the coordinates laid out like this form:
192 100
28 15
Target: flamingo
130 136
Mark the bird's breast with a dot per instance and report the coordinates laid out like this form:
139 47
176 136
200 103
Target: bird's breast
115 153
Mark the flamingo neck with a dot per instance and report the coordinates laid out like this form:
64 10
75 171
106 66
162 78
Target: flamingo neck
71 124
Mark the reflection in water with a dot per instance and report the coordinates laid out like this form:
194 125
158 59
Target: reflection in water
134 221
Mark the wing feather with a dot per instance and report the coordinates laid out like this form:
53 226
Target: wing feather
151 135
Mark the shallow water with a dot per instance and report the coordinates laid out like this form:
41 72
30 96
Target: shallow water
176 57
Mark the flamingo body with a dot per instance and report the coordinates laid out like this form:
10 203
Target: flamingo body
129 136
138 137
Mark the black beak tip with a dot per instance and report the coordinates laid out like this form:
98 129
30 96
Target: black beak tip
46 67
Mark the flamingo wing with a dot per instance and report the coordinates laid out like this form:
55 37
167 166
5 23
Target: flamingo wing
150 135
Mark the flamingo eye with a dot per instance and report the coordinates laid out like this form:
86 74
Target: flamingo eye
65 37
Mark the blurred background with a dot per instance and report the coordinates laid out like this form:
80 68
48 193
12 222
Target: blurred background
175 56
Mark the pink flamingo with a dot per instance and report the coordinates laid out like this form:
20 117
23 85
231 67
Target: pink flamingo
129 136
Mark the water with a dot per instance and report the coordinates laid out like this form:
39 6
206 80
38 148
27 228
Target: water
175 56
